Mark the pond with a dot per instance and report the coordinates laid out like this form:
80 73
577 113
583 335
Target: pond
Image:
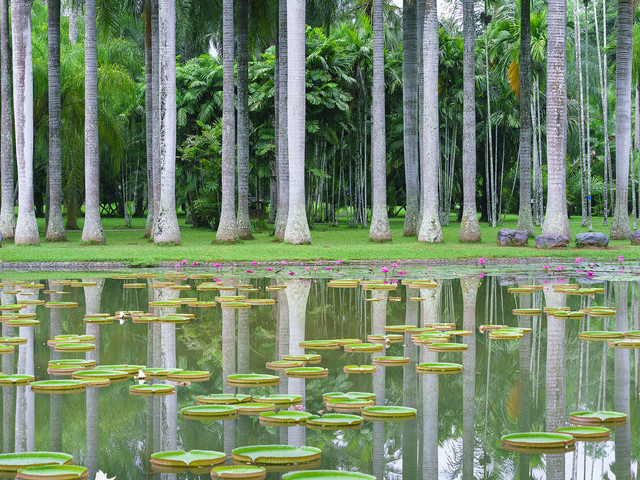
527 382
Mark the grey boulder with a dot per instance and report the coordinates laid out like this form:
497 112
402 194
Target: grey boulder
592 239
512 238
635 238
551 240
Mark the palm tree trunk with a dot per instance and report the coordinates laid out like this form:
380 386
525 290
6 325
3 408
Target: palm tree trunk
557 219
92 231
26 227
469 227
227 230
166 228
380 231
525 217
581 102
148 103
282 132
155 104
624 52
588 116
410 82
7 208
75 12
244 223
55 227
297 230
430 229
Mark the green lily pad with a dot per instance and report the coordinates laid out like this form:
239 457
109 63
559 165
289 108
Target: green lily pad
309 358
74 347
192 376
12 462
22 322
151 390
53 472
252 380
4 349
245 472
320 344
538 440
284 417
194 458
363 347
130 369
600 335
14 380
108 374
334 420
253 408
210 411
280 401
586 433
439 368
391 361
285 364
13 340
447 347
335 396
388 413
276 454
66 366
600 417
359 368
307 372
159 372
58 386
327 475
222 399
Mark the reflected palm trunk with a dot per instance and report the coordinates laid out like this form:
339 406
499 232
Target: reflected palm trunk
55 401
228 368
282 343
524 401
25 401
378 322
556 394
243 341
430 385
410 392
93 439
8 393
469 287
92 298
622 375
431 304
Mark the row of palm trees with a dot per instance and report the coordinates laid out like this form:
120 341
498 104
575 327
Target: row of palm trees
421 122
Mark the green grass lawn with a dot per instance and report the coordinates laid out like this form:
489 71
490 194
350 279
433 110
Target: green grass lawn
329 243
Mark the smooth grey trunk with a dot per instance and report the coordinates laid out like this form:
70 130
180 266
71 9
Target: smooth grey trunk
581 102
26 226
588 117
92 230
282 133
557 219
622 397
410 85
75 12
525 217
7 204
227 228
55 226
155 103
469 287
243 221
469 227
148 117
166 229
430 229
624 54
379 231
297 230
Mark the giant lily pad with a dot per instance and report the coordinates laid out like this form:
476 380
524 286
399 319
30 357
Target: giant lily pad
356 369
58 386
327 475
624 343
439 368
385 338
53 472
244 472
280 401
285 364
12 462
13 340
334 420
391 361
600 336
101 373
15 380
74 347
320 344
251 408
275 455
284 418
222 399
64 367
194 458
151 390
22 322
363 347
447 347
6 349
191 376
211 412
538 442
527 312
586 433
252 380
125 367
61 304
388 413
598 418
307 372
309 358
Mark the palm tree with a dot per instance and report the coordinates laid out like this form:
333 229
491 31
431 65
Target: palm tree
227 227
166 229
148 101
525 217
155 104
380 230
26 226
469 227
243 221
92 231
55 226
410 86
75 12
557 219
430 229
281 133
7 210
297 231
624 54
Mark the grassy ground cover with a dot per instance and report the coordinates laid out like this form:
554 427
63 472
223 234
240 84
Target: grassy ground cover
329 243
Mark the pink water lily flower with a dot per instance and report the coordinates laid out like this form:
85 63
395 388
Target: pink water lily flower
254 263
306 269
579 260
270 269
328 269
217 265
315 269
249 271
621 258
384 270
590 273
184 262
546 267
292 273
195 264
177 265
339 262
283 262
482 262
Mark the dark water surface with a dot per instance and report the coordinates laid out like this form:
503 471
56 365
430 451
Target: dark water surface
505 386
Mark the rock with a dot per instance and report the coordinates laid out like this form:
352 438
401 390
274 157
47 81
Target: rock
592 239
635 238
551 240
512 238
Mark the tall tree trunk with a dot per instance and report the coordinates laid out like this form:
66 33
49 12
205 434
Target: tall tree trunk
7 208
227 229
155 104
26 227
297 231
380 231
148 103
430 229
75 12
581 102
588 116
410 85
282 132
624 52
244 223
92 231
166 228
469 227
55 226
525 217
557 219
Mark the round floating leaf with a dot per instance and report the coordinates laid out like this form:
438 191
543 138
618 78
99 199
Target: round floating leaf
284 417
388 413
61 304
252 380
108 374
335 396
630 343
391 361
397 328
233 305
158 372
309 358
211 411
439 368
276 454
74 347
222 399
527 312
346 341
151 390
244 472
58 386
586 433
250 408
320 344
15 380
327 475
22 322
284 364
334 420
261 301
62 367
596 335
538 441
130 369
447 347
600 417
53 472
307 372
280 401
194 458
385 338
12 462
13 340
360 369
192 376
634 334
363 347
4 349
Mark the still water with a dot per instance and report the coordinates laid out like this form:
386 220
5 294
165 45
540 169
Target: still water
506 386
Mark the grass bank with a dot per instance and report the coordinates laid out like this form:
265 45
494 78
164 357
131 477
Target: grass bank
329 243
